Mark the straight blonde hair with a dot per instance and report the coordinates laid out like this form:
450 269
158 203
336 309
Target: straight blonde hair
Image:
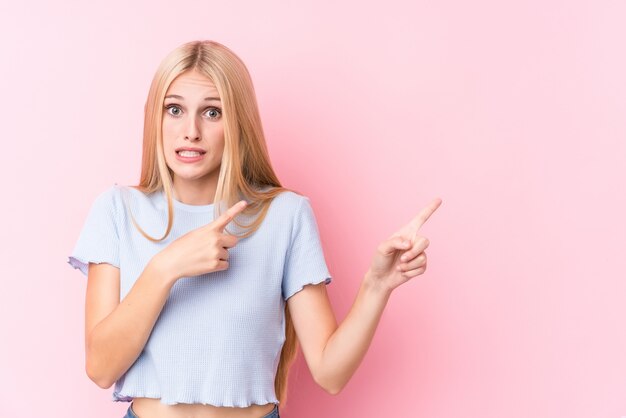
245 171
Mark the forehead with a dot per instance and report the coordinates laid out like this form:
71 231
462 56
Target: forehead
192 84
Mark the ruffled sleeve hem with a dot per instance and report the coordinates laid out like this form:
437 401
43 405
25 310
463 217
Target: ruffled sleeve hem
83 263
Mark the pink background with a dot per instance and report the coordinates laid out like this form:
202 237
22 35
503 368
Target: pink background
512 112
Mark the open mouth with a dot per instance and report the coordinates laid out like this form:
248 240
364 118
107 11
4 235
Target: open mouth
191 154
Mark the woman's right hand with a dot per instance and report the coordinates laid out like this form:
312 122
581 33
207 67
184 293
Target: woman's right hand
202 250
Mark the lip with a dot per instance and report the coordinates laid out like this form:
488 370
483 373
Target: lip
190 159
200 150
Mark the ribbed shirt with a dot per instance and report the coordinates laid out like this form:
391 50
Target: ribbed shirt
219 335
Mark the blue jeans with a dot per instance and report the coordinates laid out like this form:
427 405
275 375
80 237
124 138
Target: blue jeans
131 414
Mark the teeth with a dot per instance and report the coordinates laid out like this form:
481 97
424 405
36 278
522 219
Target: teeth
188 153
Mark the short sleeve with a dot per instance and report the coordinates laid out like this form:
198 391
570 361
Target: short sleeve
98 241
304 261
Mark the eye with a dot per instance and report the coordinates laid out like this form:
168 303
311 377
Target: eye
173 107
214 112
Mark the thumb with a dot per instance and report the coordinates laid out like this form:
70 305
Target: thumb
223 220
390 246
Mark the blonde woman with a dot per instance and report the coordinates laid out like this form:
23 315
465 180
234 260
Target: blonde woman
205 277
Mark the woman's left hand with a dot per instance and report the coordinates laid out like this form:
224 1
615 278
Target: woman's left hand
402 257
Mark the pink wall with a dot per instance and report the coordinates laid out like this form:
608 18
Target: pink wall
512 112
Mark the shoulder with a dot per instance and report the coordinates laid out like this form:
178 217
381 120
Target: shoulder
126 196
295 210
113 198
107 198
290 202
103 212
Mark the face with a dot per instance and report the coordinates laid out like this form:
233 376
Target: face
192 119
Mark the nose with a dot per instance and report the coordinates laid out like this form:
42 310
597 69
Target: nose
193 133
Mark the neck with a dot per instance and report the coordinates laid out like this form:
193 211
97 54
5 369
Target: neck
195 192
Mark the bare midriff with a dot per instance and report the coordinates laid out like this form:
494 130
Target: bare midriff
153 408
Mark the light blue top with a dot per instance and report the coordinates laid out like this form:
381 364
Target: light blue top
219 336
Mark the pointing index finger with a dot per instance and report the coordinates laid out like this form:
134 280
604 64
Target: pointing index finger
424 214
221 222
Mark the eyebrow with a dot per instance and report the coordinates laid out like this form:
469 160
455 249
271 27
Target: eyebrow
176 96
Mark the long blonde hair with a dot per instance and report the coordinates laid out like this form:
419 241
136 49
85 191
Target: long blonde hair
245 171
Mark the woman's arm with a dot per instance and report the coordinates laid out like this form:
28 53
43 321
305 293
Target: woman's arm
116 332
334 353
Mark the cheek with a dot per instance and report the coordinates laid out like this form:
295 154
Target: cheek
168 144
168 131
217 150
215 136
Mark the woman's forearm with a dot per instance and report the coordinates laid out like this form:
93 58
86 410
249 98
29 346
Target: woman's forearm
116 342
347 346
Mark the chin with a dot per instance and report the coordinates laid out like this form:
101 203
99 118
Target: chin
194 174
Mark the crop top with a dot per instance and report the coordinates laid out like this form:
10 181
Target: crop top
219 335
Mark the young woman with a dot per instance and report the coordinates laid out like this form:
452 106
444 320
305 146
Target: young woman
205 277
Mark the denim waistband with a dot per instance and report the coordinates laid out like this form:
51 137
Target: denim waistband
272 414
